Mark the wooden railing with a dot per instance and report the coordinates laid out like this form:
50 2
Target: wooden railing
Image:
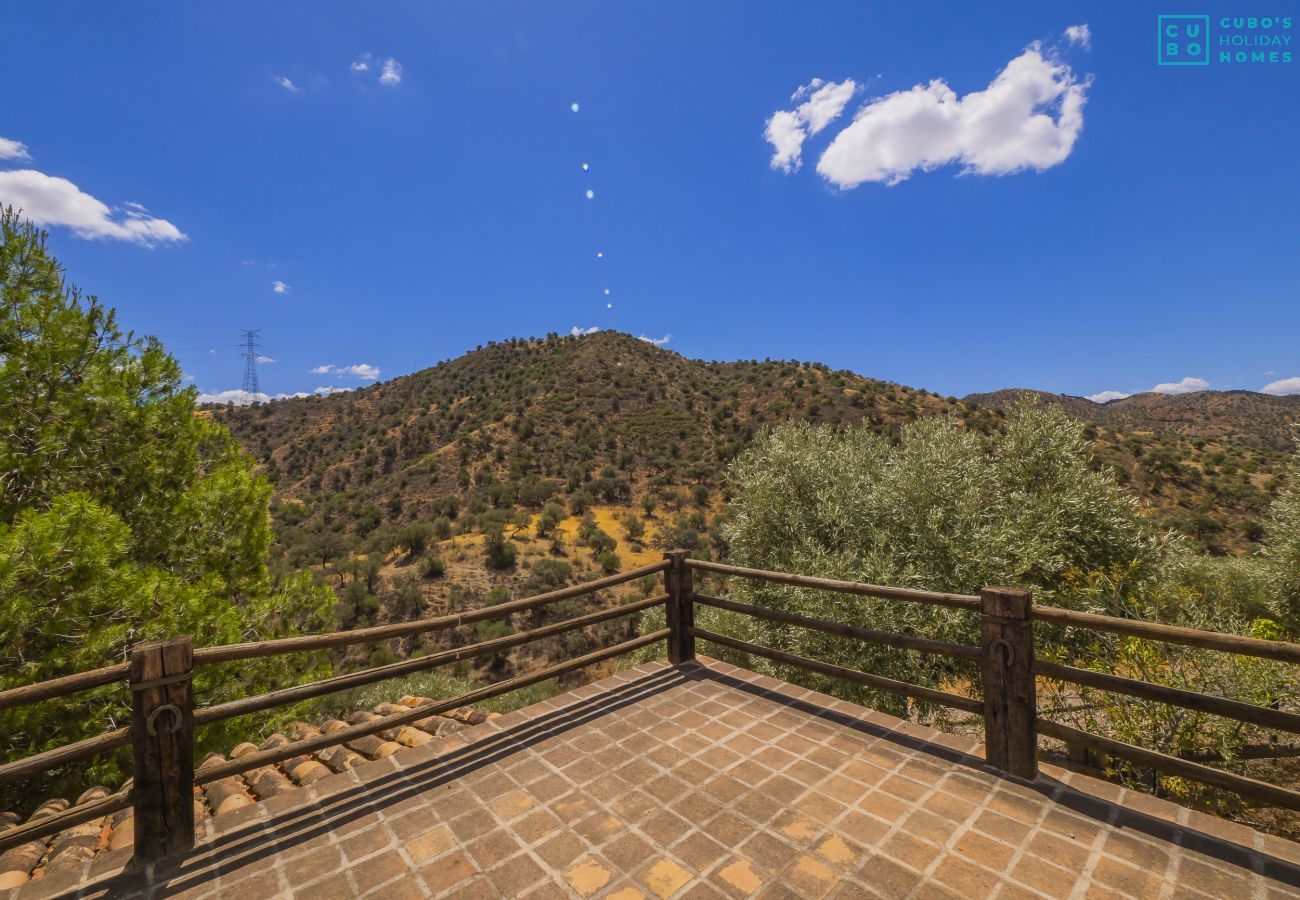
164 715
1008 671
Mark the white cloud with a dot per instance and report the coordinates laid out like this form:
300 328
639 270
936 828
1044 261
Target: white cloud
658 342
786 130
392 73
279 287
359 370
361 63
1079 34
1282 388
1106 396
48 200
13 149
239 398
1184 386
287 84
266 360
244 398
577 330
1007 127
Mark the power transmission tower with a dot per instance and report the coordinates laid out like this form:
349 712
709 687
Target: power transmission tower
250 346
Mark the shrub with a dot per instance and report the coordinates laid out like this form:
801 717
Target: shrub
432 567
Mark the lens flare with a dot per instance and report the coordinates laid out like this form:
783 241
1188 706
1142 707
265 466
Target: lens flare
573 106
585 167
600 254
606 292
590 194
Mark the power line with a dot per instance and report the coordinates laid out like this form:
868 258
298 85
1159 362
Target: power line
250 347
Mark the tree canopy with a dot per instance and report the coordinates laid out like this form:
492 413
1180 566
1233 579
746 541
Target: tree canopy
125 515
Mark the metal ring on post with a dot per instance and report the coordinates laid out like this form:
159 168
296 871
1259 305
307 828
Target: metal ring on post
153 716
1010 651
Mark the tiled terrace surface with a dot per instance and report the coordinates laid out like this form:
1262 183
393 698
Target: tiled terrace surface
705 781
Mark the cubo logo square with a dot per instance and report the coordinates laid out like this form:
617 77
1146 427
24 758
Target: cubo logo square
1183 40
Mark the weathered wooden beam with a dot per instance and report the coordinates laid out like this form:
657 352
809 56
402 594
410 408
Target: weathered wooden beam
933 598
681 612
162 741
1281 651
1010 704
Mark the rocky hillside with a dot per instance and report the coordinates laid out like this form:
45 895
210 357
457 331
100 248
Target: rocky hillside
516 423
1259 421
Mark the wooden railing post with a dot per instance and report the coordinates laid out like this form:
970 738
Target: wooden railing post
162 741
1007 660
681 611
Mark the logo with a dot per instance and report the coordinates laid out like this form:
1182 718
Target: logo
1183 40
1187 41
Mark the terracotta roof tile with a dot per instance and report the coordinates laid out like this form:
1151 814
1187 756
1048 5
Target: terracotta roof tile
72 847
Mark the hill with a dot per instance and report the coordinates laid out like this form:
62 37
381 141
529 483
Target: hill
514 424
1259 421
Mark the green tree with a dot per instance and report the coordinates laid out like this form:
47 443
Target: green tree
497 551
1282 553
943 509
124 515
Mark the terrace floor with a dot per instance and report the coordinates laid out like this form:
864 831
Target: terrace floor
704 781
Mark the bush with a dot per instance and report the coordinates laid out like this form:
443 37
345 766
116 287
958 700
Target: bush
609 562
943 509
432 567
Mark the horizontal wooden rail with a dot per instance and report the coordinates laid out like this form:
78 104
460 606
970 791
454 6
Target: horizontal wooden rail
879 682
933 598
1219 706
215 772
1280 651
869 635
255 649
59 756
204 716
61 687
1269 794
76 815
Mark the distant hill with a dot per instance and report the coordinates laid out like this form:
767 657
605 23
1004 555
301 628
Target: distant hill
516 422
1251 419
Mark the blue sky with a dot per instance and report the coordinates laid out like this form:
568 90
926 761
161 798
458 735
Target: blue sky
1135 226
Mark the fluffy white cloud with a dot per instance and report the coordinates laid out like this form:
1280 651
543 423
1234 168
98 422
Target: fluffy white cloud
287 84
1183 386
658 342
244 398
266 360
577 330
1106 396
1079 34
13 149
361 63
786 130
48 200
239 398
1027 118
364 371
391 76
1282 387
279 287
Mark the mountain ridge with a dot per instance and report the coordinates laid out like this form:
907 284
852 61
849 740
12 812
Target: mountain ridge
515 422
